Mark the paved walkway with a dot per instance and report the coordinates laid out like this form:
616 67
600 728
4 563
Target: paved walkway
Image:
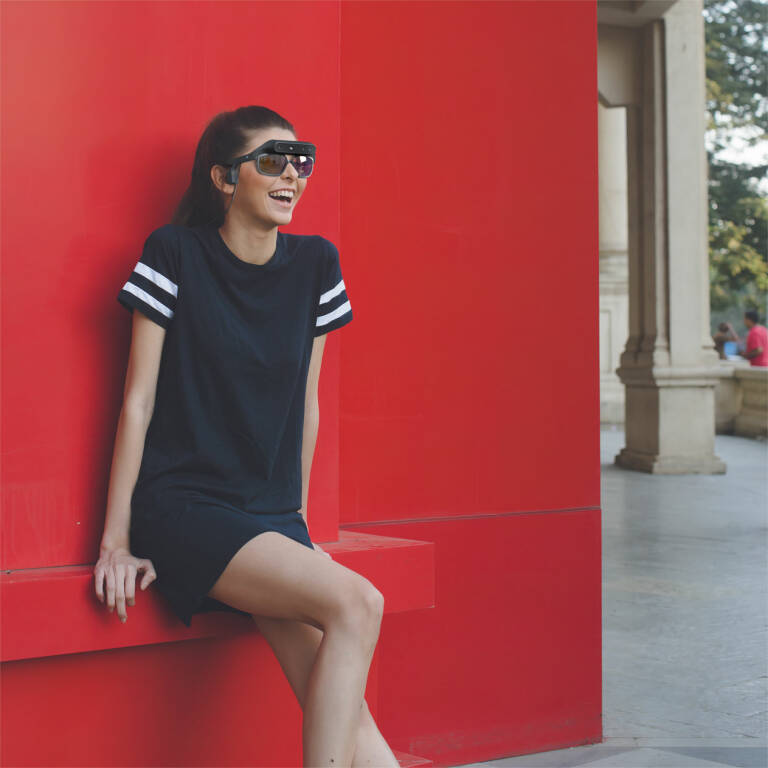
685 598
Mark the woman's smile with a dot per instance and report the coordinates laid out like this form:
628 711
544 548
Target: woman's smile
282 198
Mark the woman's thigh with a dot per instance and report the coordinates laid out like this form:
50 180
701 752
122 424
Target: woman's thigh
272 575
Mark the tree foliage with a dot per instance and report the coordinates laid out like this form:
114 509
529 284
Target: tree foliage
737 101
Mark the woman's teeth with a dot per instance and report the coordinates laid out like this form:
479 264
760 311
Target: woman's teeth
284 201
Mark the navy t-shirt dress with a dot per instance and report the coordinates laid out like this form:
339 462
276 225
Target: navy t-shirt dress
222 456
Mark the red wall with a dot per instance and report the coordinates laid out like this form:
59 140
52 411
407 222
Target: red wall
462 404
103 107
469 379
469 227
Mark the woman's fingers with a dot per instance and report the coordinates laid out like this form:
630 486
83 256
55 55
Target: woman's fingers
130 584
98 576
120 591
110 574
120 574
149 573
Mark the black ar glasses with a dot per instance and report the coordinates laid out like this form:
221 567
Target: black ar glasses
272 157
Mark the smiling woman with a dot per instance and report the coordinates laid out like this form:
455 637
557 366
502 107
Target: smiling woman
269 159
209 483
271 182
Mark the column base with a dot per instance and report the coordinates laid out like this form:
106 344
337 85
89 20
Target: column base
670 420
669 465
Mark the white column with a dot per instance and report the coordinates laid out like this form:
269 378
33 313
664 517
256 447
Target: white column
614 297
669 366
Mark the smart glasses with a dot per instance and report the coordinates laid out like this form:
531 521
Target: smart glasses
271 158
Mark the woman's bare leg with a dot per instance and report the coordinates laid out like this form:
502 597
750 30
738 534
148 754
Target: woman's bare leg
295 645
272 575
336 687
371 749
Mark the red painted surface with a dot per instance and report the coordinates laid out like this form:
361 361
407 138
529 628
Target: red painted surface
98 139
470 377
220 702
461 407
508 661
470 381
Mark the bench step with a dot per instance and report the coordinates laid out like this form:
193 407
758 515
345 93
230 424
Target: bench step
52 611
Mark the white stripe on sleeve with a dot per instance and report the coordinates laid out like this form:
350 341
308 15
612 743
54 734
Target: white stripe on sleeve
148 299
335 291
338 312
157 278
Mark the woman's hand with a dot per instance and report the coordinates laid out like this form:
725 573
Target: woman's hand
320 549
119 567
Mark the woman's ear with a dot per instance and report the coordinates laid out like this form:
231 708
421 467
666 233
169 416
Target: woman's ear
218 174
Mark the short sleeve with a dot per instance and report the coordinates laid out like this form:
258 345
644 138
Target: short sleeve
333 309
757 337
153 286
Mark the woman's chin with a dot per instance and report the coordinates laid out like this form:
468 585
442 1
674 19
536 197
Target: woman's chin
285 215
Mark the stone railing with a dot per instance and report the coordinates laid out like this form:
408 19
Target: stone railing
741 399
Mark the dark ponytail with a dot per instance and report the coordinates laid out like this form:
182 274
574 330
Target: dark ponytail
225 137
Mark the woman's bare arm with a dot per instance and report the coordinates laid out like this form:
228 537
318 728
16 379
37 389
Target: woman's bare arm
147 339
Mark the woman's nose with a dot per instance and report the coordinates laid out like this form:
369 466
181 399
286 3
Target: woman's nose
291 170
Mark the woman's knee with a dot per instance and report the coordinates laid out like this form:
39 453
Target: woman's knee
374 600
361 609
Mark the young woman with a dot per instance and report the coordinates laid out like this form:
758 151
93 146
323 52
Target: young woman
210 473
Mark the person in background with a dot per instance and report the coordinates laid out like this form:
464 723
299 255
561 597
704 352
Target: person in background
725 332
757 340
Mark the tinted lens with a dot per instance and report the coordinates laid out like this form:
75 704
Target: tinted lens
272 164
304 165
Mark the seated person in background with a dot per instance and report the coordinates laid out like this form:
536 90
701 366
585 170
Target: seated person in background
757 340
724 333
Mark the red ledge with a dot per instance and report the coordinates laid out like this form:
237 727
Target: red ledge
411 761
53 611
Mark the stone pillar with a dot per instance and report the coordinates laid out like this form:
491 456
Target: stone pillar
614 297
669 365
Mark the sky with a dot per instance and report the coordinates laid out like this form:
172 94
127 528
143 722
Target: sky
739 152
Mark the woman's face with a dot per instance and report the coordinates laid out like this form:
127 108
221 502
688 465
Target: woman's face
252 197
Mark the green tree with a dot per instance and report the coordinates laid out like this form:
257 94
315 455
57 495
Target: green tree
736 69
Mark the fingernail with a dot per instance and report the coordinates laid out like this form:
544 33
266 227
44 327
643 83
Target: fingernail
122 619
